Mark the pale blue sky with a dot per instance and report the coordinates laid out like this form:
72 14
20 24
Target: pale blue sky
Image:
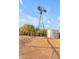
28 13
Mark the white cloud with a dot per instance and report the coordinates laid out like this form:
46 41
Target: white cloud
49 22
35 21
29 20
31 17
22 22
21 2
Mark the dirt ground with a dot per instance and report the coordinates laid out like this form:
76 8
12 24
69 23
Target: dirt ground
38 48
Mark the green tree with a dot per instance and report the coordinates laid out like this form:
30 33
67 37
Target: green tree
26 29
31 30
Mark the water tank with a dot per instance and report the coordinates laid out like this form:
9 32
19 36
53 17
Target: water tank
52 34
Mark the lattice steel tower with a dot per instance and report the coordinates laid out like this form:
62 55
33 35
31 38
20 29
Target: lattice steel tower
41 11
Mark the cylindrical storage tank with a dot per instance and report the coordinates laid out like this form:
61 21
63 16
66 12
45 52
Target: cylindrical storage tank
52 34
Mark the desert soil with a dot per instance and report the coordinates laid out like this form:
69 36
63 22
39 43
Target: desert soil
38 48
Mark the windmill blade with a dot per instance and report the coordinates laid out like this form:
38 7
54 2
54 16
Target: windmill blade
45 10
39 8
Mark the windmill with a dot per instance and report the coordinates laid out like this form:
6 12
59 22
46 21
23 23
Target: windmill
41 24
41 11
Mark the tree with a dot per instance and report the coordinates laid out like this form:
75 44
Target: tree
31 30
26 29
